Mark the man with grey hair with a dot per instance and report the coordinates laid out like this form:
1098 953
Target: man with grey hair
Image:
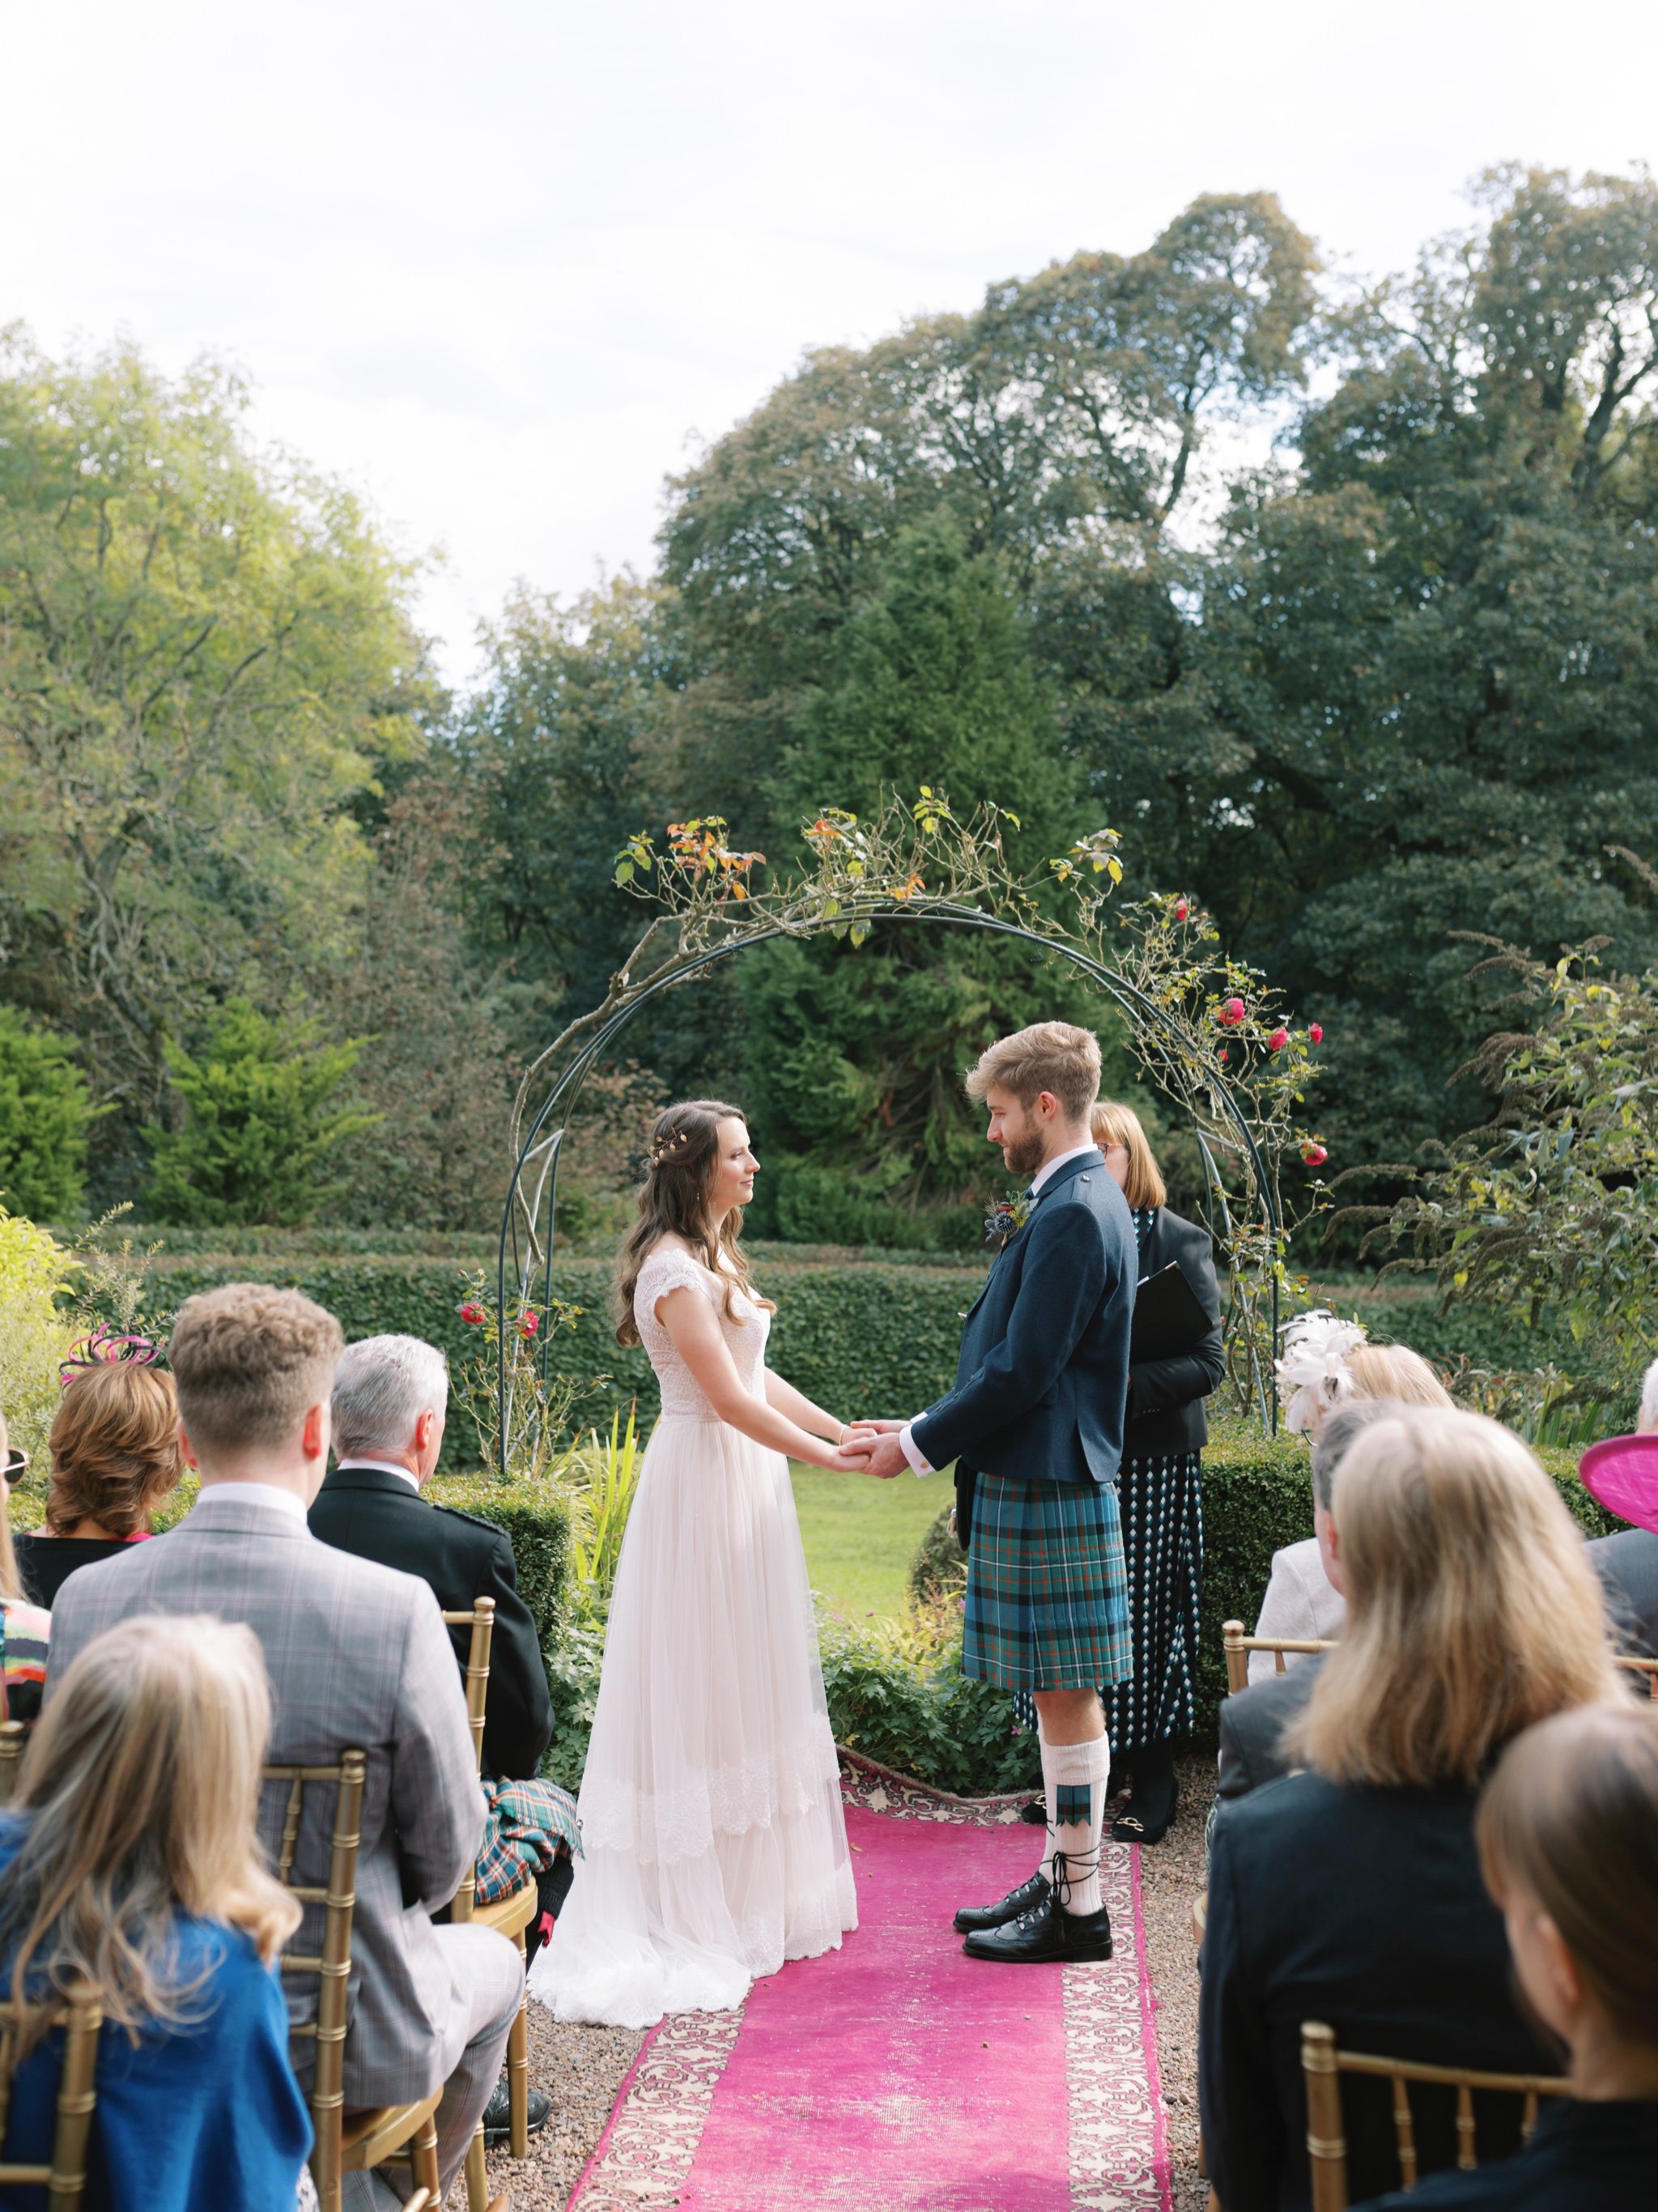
390 1406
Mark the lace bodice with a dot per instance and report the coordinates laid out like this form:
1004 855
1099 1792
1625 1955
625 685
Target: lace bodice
668 1269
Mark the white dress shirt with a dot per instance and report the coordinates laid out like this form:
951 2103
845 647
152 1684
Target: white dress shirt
912 1450
260 1494
382 1466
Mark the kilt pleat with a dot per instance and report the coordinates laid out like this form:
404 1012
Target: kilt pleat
1047 1590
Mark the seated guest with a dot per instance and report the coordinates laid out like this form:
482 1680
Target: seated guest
129 1859
357 1657
1349 1892
1253 1722
24 1628
1567 1832
114 1456
389 1405
1302 1604
1627 1562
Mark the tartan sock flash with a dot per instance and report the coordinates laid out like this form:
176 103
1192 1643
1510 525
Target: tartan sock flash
1074 1776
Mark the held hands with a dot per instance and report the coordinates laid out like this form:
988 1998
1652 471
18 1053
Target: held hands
883 1456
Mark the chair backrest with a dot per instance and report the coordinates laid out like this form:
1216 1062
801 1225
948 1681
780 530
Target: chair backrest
330 1967
1322 2066
1648 1667
80 2016
1239 1646
480 1616
11 1753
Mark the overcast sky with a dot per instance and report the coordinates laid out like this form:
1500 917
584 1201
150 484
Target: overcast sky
503 266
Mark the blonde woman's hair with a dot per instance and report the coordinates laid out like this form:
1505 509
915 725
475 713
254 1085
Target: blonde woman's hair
1472 1610
1112 1124
1396 1372
1571 1816
1053 1056
139 1794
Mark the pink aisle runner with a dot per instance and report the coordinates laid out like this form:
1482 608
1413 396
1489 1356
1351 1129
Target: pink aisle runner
895 2075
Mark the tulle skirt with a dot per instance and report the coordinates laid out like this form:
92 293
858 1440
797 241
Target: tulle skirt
711 1822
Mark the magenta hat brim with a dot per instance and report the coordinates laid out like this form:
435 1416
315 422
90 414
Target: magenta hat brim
1622 1472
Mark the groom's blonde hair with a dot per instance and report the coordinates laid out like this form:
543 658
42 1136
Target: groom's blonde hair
1052 1056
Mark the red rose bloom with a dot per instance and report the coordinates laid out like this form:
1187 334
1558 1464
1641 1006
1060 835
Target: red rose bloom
1182 910
1316 1033
527 1324
1313 1153
472 1313
1230 1013
1277 1040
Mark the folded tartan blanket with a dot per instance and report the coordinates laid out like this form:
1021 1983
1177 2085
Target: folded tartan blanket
530 1824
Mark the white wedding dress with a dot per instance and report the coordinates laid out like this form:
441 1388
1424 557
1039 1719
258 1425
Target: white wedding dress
714 1844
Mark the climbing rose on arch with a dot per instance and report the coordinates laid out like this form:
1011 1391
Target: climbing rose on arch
1315 1033
1313 1153
1230 1013
472 1312
1277 1040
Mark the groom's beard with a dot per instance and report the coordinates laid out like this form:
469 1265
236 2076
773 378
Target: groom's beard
1024 1155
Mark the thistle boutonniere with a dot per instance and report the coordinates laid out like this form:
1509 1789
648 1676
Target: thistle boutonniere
1006 1219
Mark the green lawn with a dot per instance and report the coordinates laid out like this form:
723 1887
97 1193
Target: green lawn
861 1535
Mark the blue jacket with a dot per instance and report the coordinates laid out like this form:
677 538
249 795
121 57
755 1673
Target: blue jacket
1042 1381
200 2116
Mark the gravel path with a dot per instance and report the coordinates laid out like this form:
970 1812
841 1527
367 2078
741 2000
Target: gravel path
1171 1875
582 2068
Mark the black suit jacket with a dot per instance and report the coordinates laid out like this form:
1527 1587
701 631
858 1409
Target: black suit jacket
1251 1725
378 1516
1166 1393
1627 1564
1364 1908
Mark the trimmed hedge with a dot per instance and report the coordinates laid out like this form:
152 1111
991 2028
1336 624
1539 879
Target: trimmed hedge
859 1338
532 1513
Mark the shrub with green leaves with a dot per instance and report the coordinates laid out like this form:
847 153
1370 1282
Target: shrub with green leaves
43 1113
261 1117
37 1275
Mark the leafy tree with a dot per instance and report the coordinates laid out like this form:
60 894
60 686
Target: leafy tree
205 657
854 1053
1422 696
44 1113
260 1123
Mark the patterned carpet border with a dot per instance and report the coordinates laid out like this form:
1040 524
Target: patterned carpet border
1118 2133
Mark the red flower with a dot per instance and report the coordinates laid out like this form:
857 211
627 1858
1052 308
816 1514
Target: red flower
1182 910
1277 1040
1224 1054
1230 1013
472 1313
1315 1033
1313 1153
527 1324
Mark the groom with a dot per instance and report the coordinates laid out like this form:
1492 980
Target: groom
1035 1426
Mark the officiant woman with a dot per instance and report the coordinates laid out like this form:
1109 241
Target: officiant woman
1159 1489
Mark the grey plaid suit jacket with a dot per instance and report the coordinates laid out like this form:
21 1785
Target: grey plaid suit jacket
358 1658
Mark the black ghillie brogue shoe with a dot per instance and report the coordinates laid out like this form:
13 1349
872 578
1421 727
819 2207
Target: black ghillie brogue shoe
1046 1931
973 1917
498 2113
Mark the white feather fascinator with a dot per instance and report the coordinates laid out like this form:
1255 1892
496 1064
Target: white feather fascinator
1314 1368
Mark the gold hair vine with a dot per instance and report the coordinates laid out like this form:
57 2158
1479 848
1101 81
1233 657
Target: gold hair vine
658 1153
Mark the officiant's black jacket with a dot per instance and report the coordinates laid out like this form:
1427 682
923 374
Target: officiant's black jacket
379 1516
1167 1389
1041 1384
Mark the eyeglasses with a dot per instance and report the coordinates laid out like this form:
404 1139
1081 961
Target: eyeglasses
17 1464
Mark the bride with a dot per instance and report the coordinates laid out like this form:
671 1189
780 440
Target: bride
713 1840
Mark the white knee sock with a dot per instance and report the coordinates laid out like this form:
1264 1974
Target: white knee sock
1074 1776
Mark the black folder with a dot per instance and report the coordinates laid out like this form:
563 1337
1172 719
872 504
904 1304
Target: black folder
1168 1316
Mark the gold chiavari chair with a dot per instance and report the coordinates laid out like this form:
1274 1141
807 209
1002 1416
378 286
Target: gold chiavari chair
509 1916
1322 2066
11 1753
1648 1667
346 2143
1239 1646
64 2179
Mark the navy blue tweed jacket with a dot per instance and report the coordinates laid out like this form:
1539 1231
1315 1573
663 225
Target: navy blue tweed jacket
1042 1381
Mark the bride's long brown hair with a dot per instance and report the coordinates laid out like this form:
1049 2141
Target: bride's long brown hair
673 1201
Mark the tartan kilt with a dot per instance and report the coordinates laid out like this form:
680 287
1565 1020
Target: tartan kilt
1047 1591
